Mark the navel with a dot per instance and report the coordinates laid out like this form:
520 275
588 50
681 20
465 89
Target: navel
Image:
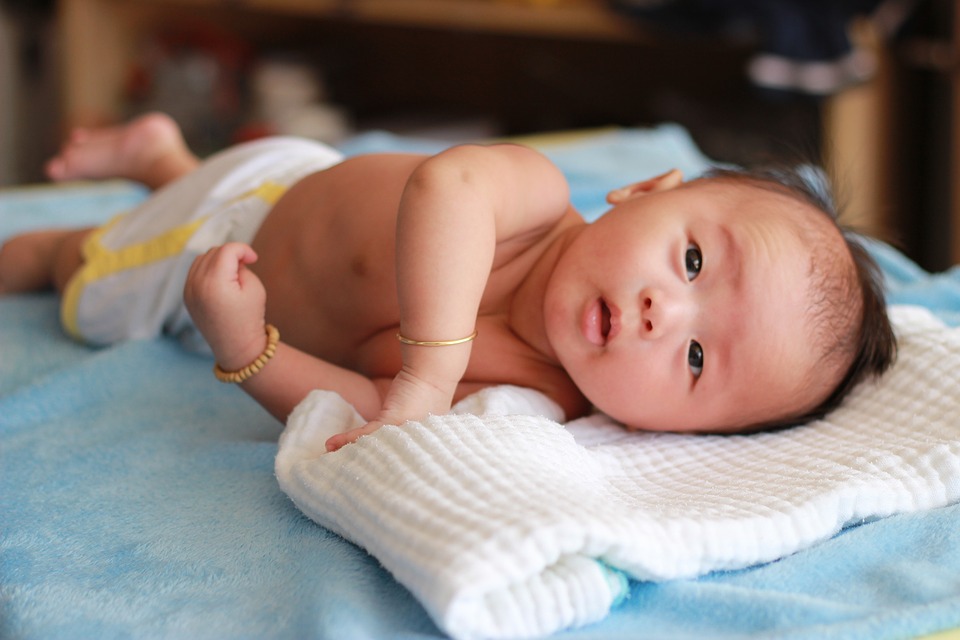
358 266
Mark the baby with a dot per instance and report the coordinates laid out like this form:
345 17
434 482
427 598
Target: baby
403 282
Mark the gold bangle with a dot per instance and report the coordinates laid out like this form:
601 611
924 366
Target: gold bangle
273 337
434 343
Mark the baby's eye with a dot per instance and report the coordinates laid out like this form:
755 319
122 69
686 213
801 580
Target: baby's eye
694 261
695 358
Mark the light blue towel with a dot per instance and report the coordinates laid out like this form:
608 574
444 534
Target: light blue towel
138 498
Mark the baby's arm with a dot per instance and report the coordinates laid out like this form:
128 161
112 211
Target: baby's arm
458 208
227 303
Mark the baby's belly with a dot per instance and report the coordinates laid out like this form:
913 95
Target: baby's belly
332 330
323 307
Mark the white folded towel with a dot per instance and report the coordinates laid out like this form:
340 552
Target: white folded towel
505 523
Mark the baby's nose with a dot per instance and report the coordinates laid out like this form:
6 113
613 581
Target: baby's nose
660 313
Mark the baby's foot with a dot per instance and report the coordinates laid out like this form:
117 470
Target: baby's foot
149 149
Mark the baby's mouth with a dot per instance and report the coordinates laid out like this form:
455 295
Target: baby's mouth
599 323
604 320
609 321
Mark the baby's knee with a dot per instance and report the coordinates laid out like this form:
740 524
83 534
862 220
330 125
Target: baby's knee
68 258
26 261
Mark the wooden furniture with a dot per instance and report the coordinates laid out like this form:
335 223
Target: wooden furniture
100 36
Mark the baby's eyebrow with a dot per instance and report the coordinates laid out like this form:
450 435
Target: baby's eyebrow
731 257
721 350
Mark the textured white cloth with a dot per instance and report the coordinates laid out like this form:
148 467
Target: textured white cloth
505 523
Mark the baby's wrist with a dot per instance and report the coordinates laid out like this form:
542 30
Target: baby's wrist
240 373
438 377
237 354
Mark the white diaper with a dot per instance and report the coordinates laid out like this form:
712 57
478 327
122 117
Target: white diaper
131 283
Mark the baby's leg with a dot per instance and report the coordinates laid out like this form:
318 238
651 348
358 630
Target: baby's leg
149 149
40 259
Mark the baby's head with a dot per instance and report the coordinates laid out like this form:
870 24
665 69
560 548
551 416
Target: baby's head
729 303
851 331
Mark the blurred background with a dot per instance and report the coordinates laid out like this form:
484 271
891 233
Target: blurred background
868 88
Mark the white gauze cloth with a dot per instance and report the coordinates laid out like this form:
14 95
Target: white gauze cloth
505 523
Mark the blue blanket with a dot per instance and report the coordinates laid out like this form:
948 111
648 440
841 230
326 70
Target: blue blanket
138 496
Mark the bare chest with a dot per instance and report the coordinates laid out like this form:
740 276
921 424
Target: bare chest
498 357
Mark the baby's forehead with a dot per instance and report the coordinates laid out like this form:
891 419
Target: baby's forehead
766 202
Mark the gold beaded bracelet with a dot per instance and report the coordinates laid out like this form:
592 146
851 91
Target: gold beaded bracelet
434 343
273 337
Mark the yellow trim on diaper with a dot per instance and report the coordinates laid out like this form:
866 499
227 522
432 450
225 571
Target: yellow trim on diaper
100 262
269 192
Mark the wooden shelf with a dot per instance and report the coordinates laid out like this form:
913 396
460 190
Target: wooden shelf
100 36
574 19
557 18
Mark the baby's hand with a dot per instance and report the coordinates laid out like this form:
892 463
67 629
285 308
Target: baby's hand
227 303
409 398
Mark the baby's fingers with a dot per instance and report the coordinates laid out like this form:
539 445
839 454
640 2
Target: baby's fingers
223 265
226 261
237 252
347 437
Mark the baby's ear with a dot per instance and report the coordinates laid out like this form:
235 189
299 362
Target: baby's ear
663 182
